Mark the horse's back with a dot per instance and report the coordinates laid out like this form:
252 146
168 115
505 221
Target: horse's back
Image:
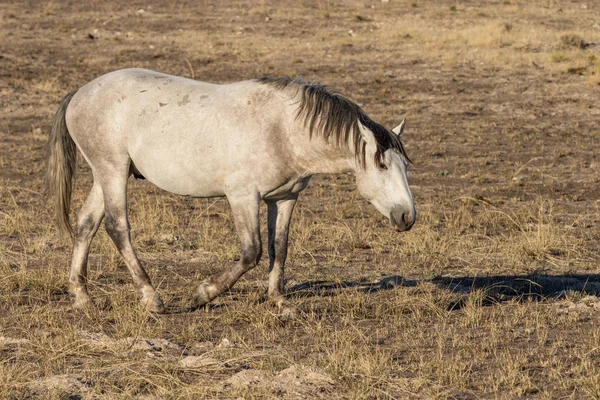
175 105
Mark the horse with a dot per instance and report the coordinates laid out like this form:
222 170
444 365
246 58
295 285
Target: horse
249 141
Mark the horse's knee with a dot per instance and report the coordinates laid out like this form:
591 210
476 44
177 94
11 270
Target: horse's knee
116 229
85 227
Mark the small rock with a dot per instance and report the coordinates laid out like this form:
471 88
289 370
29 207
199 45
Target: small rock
247 377
306 376
202 346
62 383
296 382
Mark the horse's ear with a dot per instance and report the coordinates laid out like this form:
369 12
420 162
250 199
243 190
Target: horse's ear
400 128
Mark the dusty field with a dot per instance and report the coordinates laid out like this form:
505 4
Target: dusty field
493 294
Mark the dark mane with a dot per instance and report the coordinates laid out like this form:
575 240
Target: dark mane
334 117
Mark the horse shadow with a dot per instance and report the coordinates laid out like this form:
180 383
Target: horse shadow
495 289
324 288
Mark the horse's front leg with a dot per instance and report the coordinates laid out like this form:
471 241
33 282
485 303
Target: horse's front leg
279 216
246 217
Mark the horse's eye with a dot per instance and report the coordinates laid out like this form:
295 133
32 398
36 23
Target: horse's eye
382 166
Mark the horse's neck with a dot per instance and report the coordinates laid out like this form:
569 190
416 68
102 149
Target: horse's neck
323 158
329 166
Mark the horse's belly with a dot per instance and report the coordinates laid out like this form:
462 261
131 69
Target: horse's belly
178 174
187 188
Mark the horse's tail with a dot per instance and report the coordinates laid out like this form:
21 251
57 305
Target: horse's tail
61 159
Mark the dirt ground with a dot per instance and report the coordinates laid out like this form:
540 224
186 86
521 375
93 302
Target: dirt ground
493 293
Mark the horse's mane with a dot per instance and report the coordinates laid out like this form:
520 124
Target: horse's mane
334 117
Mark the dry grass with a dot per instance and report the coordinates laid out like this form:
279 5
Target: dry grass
491 295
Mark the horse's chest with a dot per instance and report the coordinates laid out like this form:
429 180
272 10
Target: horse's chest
292 186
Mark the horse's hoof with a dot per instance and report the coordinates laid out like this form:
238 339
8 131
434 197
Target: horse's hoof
82 298
153 304
286 310
152 301
202 296
156 306
83 302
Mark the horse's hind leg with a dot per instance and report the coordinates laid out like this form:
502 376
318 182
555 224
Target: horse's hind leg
88 221
117 226
246 216
279 216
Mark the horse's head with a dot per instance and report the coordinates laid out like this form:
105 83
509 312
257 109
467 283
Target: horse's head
384 182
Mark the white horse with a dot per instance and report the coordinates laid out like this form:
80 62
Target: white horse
253 140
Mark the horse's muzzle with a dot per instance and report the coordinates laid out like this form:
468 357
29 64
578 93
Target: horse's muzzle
402 221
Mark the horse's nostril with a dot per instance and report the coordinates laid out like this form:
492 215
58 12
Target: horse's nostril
408 220
402 221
